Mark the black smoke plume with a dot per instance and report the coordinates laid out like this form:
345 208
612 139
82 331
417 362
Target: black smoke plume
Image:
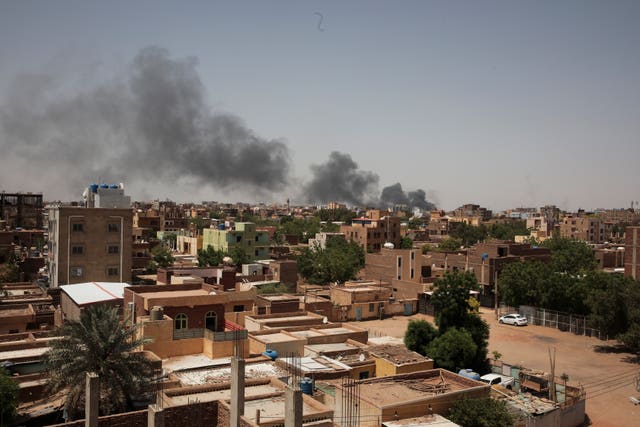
394 195
340 180
149 124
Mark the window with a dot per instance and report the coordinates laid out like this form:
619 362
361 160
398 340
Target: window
256 238
238 239
413 255
256 252
238 308
77 227
181 321
113 227
364 375
112 271
77 250
211 321
412 273
399 262
372 307
76 271
112 249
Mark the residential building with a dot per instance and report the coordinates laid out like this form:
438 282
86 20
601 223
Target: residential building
373 230
243 235
89 245
321 239
75 298
632 252
586 228
21 210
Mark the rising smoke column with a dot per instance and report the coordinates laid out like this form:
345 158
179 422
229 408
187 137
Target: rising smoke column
395 195
340 180
150 123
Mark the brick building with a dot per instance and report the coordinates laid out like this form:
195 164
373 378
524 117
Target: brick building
22 210
632 252
89 245
374 230
586 228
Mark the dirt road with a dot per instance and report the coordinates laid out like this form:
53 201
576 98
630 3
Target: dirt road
606 375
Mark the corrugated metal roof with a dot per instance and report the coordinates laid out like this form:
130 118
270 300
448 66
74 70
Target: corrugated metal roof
92 292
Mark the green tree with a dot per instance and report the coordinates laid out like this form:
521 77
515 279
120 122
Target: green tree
209 257
162 256
523 282
451 298
450 245
199 223
570 256
340 214
419 335
239 256
338 262
406 243
509 230
99 342
8 397
631 337
170 239
484 412
456 309
453 350
468 234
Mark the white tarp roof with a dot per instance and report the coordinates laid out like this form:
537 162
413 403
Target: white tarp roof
92 292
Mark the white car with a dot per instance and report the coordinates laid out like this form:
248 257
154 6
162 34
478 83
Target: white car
513 319
494 379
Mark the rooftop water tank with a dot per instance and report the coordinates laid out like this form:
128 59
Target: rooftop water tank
114 186
94 188
389 245
306 385
157 313
221 227
271 354
104 185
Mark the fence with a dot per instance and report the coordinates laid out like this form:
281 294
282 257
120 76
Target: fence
565 322
226 335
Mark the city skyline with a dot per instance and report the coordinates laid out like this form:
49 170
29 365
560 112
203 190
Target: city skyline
493 103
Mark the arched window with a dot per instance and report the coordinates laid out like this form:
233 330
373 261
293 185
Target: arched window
211 321
181 321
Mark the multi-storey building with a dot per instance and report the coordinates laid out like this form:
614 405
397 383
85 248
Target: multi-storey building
91 244
373 230
22 210
632 253
585 228
242 234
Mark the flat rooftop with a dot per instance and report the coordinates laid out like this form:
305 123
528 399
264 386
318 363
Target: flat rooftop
434 420
332 348
279 297
223 394
336 331
272 338
192 361
27 352
398 354
384 391
175 294
92 292
273 408
306 334
222 374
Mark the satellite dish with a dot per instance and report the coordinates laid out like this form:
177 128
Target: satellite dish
325 320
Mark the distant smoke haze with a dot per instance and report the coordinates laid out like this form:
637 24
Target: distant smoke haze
150 124
150 127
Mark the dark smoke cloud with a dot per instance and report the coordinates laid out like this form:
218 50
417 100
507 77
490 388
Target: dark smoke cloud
150 123
340 180
395 195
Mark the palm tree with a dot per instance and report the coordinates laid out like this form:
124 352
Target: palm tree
100 342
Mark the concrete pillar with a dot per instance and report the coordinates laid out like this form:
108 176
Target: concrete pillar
92 400
237 390
155 416
292 407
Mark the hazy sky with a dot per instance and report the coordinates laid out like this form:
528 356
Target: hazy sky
500 103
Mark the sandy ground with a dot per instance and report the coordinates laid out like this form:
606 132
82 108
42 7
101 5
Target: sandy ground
607 376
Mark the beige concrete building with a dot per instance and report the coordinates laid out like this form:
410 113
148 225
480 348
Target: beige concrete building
89 245
373 230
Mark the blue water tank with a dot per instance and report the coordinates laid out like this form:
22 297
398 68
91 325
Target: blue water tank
485 256
104 185
94 188
114 186
271 354
220 226
469 373
306 385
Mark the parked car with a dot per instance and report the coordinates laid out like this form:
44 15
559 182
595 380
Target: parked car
513 319
503 380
